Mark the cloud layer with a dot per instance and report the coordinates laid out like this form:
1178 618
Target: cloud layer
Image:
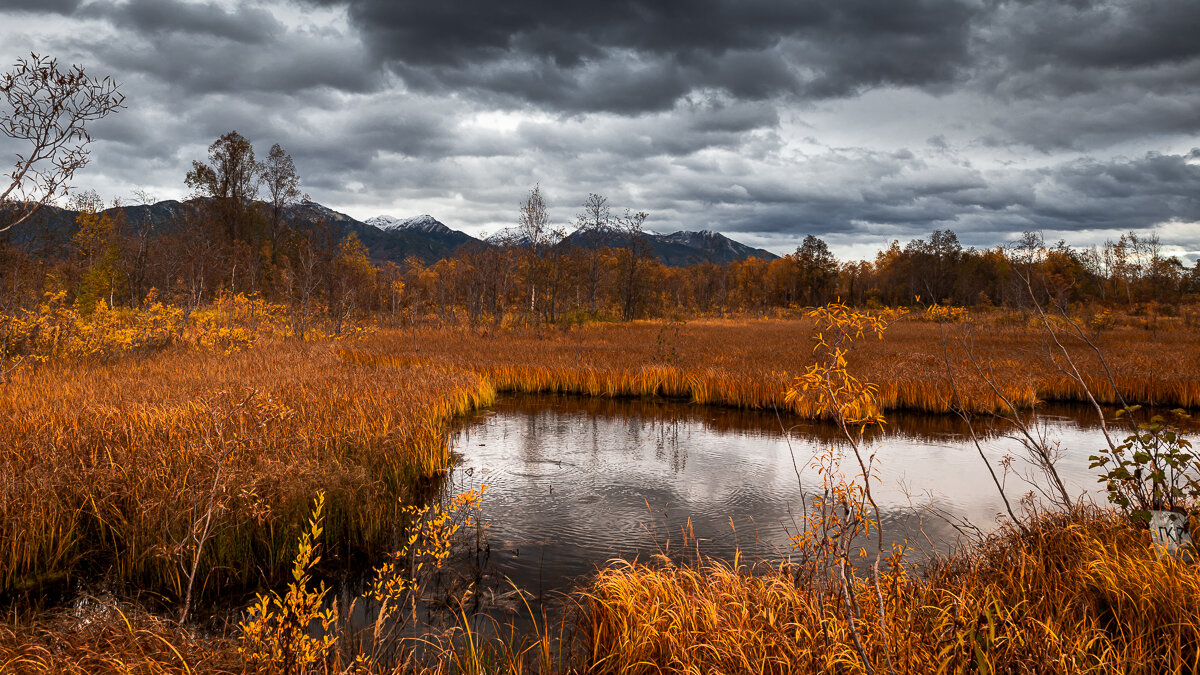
859 121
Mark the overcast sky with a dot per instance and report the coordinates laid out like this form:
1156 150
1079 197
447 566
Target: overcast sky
859 121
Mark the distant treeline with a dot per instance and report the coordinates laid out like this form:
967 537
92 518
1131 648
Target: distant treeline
228 241
219 246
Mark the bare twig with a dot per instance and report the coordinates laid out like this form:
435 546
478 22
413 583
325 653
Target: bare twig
50 111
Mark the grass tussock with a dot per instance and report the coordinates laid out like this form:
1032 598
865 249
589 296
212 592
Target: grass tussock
111 469
1079 593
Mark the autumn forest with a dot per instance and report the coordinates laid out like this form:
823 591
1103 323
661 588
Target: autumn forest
245 232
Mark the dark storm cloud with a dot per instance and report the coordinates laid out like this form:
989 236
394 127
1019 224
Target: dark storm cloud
568 34
200 48
888 193
1087 74
632 56
156 17
1094 36
194 66
40 6
1121 194
1099 119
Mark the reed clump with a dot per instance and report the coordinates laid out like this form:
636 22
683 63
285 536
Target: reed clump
123 470
1079 592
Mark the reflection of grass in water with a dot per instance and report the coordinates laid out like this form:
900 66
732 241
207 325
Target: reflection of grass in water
917 426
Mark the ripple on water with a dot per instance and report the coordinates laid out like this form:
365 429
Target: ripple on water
574 482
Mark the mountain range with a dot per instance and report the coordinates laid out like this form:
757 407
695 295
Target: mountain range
388 238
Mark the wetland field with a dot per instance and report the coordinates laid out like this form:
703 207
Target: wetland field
597 498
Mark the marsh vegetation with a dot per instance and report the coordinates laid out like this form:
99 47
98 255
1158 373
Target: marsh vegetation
133 479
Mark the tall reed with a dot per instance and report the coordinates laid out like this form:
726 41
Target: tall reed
1081 592
106 468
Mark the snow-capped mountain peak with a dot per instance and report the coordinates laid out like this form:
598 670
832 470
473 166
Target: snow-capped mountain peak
423 223
508 236
698 238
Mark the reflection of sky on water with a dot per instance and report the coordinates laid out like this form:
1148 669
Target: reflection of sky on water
574 482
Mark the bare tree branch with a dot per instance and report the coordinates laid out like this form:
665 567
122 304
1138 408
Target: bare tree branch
49 113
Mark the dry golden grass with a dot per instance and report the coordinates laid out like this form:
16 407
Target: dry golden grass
111 640
107 469
1081 593
751 363
1078 593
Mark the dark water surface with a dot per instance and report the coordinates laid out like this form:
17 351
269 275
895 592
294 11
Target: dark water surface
574 482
